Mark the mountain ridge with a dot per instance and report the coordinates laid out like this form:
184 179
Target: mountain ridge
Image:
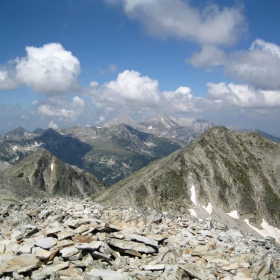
232 170
42 174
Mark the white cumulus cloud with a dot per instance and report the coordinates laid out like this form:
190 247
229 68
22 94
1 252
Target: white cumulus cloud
180 100
130 88
209 56
53 125
62 108
7 80
78 102
243 95
48 69
259 66
180 19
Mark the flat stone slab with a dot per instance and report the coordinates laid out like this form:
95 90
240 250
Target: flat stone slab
64 234
130 245
93 246
48 270
143 239
20 264
69 251
83 239
64 243
42 253
106 275
46 243
154 267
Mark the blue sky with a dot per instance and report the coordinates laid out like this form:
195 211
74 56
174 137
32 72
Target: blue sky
65 63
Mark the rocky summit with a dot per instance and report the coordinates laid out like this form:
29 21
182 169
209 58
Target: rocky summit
59 238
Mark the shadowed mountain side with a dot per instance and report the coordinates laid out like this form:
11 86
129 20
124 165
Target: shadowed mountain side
67 149
230 170
42 174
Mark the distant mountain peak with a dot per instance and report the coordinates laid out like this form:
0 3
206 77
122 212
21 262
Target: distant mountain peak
160 123
18 130
125 120
121 119
17 134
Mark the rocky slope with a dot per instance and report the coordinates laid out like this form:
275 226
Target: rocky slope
4 165
223 171
66 239
42 174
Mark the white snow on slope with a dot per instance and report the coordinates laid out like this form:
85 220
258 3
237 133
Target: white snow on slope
149 144
193 195
209 208
234 214
193 213
34 146
267 230
52 167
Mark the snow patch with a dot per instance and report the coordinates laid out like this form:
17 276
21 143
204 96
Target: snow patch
125 165
149 144
110 162
208 208
35 145
150 127
193 195
14 148
52 167
193 213
165 123
267 230
234 214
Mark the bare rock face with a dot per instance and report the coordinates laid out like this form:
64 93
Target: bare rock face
81 239
42 174
224 169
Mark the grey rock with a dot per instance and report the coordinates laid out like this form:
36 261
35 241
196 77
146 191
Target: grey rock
106 275
93 246
143 239
130 245
46 243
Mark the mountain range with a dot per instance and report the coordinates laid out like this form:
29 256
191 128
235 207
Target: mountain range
111 152
221 173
